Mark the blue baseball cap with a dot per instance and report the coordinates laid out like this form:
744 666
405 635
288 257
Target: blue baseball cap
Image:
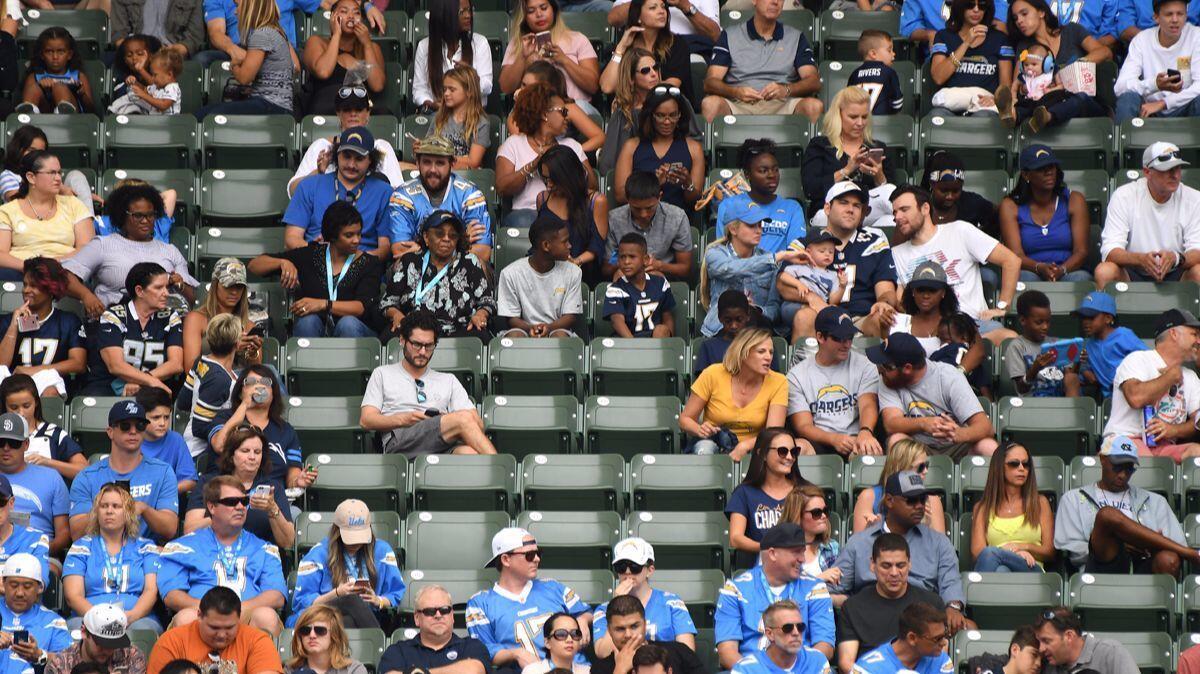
750 213
123 410
358 139
1120 450
1035 157
1096 302
899 349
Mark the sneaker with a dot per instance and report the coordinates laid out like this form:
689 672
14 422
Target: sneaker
26 107
1041 119
1006 104
64 108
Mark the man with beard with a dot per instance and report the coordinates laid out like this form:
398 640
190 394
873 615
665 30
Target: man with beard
418 410
626 627
104 640
437 188
944 178
783 628
1066 649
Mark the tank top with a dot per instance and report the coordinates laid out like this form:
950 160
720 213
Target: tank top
324 92
645 159
1003 530
1047 242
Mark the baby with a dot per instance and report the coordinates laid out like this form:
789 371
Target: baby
163 96
1033 92
816 284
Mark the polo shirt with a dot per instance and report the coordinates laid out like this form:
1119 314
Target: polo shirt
411 654
227 9
669 231
1101 655
314 194
760 62
934 562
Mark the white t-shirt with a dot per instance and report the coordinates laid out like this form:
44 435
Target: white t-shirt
1174 408
1173 226
388 166
517 150
1147 58
481 61
679 21
960 248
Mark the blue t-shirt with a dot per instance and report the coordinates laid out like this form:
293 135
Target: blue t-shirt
152 482
1098 17
314 194
50 343
666 618
785 226
112 579
760 509
410 204
41 492
866 259
808 661
313 578
162 227
46 627
502 620
24 539
227 9
197 562
1106 354
980 66
883 660
712 350
282 440
743 599
643 309
1140 13
172 450
932 14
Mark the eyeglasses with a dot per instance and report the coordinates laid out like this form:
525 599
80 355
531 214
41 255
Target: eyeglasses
422 346
255 381
141 216
420 391
435 611
626 566
347 92
817 513
563 635
664 91
529 555
233 501
649 69
1017 463
921 467
319 630
127 426
914 501
9 443
784 451
788 628
560 110
666 116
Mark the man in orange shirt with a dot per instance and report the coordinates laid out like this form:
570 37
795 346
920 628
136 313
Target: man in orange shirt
218 638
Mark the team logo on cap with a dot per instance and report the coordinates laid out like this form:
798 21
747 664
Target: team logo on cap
356 522
8 424
354 136
913 480
1041 153
131 408
112 629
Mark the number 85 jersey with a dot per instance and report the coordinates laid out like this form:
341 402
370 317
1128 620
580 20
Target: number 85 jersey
502 620
145 348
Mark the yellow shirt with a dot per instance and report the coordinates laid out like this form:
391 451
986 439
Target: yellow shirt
715 385
49 238
1003 530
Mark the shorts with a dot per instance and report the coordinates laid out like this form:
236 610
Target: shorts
423 437
1119 564
777 106
1136 274
988 325
1174 451
956 451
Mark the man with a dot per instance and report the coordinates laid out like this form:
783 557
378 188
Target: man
400 397
498 616
438 187
39 491
697 22
744 598
224 555
1067 649
17 538
869 617
665 227
1164 245
919 645
1112 526
962 250
933 560
626 618
22 610
928 401
104 640
151 482
783 628
833 396
436 648
945 178
865 256
218 638
762 67
651 659
1156 79
352 110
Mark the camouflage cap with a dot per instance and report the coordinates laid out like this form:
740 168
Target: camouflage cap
229 272
435 146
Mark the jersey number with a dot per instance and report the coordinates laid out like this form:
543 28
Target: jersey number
873 88
643 315
527 632
145 355
38 348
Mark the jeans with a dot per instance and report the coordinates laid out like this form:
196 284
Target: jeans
1075 106
313 325
999 560
250 106
1078 275
1129 105
521 218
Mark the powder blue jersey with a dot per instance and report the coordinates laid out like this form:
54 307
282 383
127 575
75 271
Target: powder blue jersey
883 660
666 618
196 563
741 603
41 492
502 620
112 579
50 343
808 661
785 225
152 482
47 627
313 578
410 204
24 539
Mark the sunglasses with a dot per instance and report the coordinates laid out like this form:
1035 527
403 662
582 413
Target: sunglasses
563 635
914 501
660 91
127 426
562 111
1017 463
255 381
921 467
347 92
784 451
421 398
319 630
626 566
788 628
529 555
1169 156
649 69
436 611
10 444
818 513
233 501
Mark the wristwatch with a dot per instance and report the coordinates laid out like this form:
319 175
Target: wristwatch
956 605
691 11
1001 304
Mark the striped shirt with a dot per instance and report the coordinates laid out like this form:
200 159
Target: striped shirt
106 261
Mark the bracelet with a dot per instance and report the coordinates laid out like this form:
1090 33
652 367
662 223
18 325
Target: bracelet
955 60
616 57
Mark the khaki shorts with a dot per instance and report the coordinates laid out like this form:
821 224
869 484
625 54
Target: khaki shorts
784 106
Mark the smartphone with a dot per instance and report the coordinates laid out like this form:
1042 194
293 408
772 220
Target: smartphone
432 413
263 490
1173 73
257 331
542 40
875 155
20 636
27 323
362 584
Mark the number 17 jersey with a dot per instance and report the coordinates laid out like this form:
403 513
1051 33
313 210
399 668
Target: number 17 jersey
503 620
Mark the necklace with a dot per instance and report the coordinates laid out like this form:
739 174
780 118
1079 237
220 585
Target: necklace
33 208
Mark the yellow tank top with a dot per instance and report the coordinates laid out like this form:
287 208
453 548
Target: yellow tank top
1003 530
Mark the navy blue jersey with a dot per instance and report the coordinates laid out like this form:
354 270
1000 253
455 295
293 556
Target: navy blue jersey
643 309
282 441
144 347
50 343
210 385
50 440
882 82
980 66
867 260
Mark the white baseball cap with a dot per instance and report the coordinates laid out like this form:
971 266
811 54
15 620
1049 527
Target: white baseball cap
633 549
23 565
1162 156
108 625
353 519
506 540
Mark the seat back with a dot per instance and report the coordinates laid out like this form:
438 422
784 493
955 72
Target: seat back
677 482
574 540
379 480
573 482
446 482
445 541
683 540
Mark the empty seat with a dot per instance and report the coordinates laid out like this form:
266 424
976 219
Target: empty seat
459 583
1189 485
680 482
1136 135
592 586
249 141
573 482
1190 589
76 139
328 423
88 422
639 366
444 541
1009 600
1081 143
445 482
214 243
311 527
1147 602
594 26
522 425
330 365
629 425
840 31
790 132
1140 304
698 588
828 472
365 643
683 540
460 356
151 141
89 27
536 366
990 142
1062 427
379 480
244 197
574 539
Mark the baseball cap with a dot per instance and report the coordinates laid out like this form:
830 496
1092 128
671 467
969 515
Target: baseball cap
12 427
634 550
229 272
835 322
944 167
820 236
108 625
929 274
123 410
1096 302
352 98
353 520
1174 318
906 484
5 487
22 565
784 535
900 348
1120 450
1162 156
439 218
506 540
434 146
357 139
843 188
1035 157
749 212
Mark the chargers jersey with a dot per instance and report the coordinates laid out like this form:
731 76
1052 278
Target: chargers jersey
808 661
24 539
883 660
410 204
47 627
50 343
666 618
112 579
145 348
313 578
152 482
643 309
867 259
785 226
208 387
197 562
741 603
504 620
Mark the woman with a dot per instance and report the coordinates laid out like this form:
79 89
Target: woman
350 570
760 167
320 645
539 34
49 445
267 69
247 458
944 178
24 140
207 386
806 506
443 278
662 147
737 262
112 564
563 640
227 294
452 30
1044 222
580 125
903 455
540 116
40 220
639 75
930 301
846 151
1012 526
567 198
328 59
740 395
667 617
757 502
332 281
38 339
647 27
969 60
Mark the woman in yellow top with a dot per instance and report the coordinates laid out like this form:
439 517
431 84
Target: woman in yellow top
741 394
1012 528
39 220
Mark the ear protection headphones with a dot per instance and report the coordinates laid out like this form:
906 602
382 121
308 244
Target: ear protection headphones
1047 61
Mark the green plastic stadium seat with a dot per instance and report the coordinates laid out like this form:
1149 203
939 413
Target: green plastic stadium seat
460 583
602 327
990 142
991 184
680 482
89 27
1189 485
1154 473
151 141
1184 132
395 87
827 471
1084 143
536 366
328 423
1096 189
512 244
594 26
593 586
1140 304
698 588
574 540
970 643
639 366
1064 298
790 187
1151 651
379 480
1146 601
1063 427
446 482
364 642
840 31
461 356
834 75
1051 475
864 473
683 540
244 198
249 141
144 639
54 410
451 540
76 139
1190 587
313 127
790 132
706 649
311 527
88 422
330 365
1008 600
523 425
573 482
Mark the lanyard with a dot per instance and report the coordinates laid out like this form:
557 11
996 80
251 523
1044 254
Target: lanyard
422 288
785 594
352 195
112 567
228 557
329 272
352 567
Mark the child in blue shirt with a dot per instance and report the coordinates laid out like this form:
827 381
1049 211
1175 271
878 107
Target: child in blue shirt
1106 344
638 304
161 442
733 311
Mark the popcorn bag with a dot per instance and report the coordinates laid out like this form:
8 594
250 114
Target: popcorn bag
1079 78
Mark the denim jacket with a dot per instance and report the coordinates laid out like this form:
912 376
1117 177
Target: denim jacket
754 274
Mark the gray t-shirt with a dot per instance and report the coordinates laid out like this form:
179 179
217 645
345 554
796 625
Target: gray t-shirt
454 132
392 390
539 298
106 261
274 79
831 392
669 231
943 390
821 281
1020 354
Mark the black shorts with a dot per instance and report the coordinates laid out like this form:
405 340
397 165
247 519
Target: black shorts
1136 274
1120 564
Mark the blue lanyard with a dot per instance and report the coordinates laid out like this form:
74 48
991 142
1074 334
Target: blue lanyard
422 288
352 195
352 567
329 272
229 556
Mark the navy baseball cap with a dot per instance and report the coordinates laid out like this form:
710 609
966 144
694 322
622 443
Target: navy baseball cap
1036 157
784 535
1096 302
900 348
835 322
358 139
820 236
5 487
123 410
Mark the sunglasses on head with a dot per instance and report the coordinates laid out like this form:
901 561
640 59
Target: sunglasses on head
127 425
1017 463
788 628
1168 156
784 451
673 91
347 92
319 630
563 635
420 391
626 566
436 611
233 501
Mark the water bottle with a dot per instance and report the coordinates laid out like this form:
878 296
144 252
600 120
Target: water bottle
1147 415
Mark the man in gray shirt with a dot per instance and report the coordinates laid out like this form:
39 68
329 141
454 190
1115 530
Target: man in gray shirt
928 401
1062 642
832 397
665 226
541 295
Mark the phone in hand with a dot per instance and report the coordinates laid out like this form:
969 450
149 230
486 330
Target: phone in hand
432 413
257 331
21 636
875 155
362 584
1173 73
542 40
27 322
264 490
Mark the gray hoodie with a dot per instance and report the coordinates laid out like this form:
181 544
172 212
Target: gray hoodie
1077 515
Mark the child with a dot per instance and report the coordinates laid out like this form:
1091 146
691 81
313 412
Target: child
162 443
1105 344
461 118
162 225
733 311
133 60
55 81
962 347
814 285
876 74
638 304
1036 89
163 96
49 445
1032 371
541 295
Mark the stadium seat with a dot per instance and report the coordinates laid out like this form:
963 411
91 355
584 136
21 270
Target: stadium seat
54 410
1140 304
1147 601
396 87
1189 485
379 480
445 482
329 365
1083 143
1064 297
990 142
834 75
512 244
1009 600
602 327
706 649
1062 427
899 132
88 422
460 583
574 539
311 527
151 141
639 366
1190 589
444 541
790 187
1051 475
1151 651
1154 473
76 139
244 198
313 127
594 26
698 588
791 133
523 425
366 643
864 473
1138 134
827 471
573 482
970 643
328 423
683 540
687 482
536 366
89 27
1094 186
249 141
840 31
991 184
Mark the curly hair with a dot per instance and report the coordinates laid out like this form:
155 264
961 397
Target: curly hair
46 274
646 130
531 107
753 148
117 205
